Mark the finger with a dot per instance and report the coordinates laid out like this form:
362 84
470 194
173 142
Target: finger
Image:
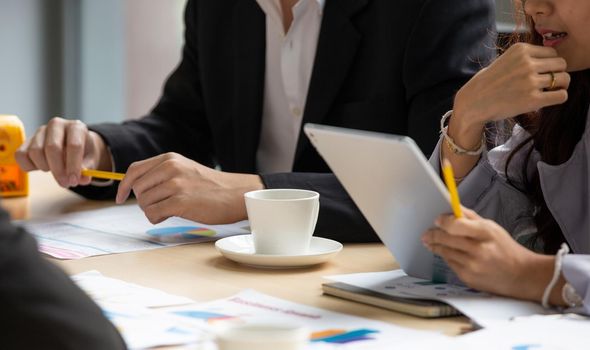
36 152
54 149
470 214
440 237
160 211
462 227
75 139
89 157
551 98
554 81
22 157
536 50
156 194
136 171
553 64
161 175
449 254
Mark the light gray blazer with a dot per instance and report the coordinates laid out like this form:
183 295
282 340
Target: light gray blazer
566 188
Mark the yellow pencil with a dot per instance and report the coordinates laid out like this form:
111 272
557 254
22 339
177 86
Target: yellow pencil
99 174
447 170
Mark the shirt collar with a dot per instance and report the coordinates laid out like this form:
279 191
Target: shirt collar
273 6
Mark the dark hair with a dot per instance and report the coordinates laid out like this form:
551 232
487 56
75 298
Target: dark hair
555 141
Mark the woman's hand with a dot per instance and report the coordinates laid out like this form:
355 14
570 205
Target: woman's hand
524 79
519 81
485 257
172 185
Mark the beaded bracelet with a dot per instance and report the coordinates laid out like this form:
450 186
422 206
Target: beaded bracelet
451 143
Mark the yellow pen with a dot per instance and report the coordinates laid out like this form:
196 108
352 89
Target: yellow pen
99 174
447 170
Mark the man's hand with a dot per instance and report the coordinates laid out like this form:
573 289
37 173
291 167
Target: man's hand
172 185
64 147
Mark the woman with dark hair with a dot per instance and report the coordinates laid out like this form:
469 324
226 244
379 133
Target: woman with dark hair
535 184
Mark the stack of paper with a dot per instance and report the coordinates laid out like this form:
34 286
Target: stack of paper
148 318
130 308
113 291
328 330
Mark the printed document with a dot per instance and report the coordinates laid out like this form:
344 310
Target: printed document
148 318
119 229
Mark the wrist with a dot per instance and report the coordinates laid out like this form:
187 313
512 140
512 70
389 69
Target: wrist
533 274
534 277
243 183
254 183
466 119
464 130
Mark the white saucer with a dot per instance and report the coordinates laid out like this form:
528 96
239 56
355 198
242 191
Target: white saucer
241 249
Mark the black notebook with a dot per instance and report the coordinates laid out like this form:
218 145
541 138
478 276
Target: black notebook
416 307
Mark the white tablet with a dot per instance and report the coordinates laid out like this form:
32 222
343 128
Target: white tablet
393 185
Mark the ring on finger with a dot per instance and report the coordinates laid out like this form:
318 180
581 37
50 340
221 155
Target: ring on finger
553 81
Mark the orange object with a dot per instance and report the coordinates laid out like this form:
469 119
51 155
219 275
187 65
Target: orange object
13 180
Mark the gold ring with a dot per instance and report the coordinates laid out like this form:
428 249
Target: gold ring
553 81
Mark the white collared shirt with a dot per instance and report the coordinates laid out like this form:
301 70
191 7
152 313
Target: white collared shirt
289 62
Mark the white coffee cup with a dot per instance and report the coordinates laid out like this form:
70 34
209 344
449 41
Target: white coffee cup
263 336
282 221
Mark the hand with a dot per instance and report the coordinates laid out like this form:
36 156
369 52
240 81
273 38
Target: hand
172 185
487 258
64 147
515 83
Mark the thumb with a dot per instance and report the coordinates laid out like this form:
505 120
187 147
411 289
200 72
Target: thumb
470 214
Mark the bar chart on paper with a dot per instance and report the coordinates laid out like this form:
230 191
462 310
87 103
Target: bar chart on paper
119 229
342 336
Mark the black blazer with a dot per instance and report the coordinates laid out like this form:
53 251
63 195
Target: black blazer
381 65
41 306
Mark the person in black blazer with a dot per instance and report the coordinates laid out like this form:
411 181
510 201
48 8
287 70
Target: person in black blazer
380 65
41 307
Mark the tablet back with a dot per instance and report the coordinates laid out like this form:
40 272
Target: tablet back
393 185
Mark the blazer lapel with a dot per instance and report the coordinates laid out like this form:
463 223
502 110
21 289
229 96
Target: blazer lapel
249 67
337 46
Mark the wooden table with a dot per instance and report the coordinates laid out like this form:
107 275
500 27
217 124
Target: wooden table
198 271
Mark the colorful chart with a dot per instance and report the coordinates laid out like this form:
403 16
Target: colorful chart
341 336
209 317
180 233
526 347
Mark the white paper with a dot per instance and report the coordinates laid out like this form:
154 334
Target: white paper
105 290
145 328
111 230
131 309
484 309
350 332
567 332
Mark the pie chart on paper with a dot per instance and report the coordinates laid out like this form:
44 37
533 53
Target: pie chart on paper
180 233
